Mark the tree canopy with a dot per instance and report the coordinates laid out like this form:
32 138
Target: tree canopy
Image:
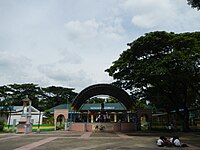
42 98
194 3
54 96
163 68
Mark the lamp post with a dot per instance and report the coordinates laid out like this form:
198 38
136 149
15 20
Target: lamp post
10 108
38 129
66 121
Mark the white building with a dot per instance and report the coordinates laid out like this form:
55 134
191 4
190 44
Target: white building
16 112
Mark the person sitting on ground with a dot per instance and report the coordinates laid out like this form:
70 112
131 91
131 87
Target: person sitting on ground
172 140
177 143
96 127
161 141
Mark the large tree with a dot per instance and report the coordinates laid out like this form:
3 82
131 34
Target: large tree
194 3
163 66
19 92
5 101
14 93
57 95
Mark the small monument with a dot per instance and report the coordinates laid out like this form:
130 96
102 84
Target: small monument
25 125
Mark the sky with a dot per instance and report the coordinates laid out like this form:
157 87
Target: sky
71 43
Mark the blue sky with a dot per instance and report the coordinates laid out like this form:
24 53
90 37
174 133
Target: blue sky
71 42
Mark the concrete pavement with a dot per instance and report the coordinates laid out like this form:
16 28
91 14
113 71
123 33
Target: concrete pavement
69 140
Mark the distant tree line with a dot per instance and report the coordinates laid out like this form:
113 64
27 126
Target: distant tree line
42 98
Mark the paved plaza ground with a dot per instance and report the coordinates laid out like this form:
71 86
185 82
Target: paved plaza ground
69 140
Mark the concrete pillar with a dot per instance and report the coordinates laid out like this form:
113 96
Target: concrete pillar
30 103
92 118
55 123
115 117
128 117
14 124
71 117
65 125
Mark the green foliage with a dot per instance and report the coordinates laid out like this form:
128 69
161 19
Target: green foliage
139 105
112 100
19 91
48 114
194 4
49 117
95 100
163 68
12 95
102 100
54 96
42 98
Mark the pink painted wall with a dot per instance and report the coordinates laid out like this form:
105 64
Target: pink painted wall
108 126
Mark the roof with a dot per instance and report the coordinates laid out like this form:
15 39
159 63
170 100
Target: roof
96 106
20 108
62 106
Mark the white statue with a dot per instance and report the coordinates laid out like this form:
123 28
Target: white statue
25 111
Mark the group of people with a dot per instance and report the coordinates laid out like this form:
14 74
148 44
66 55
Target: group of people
174 141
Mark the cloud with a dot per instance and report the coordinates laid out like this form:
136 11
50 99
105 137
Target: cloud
94 39
76 30
60 76
145 6
14 68
162 15
149 14
145 21
69 57
97 42
71 43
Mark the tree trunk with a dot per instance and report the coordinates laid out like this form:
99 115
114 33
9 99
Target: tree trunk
185 124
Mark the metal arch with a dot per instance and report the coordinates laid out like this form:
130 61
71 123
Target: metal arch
102 89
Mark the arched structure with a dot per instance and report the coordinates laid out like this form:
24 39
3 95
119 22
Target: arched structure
59 112
102 89
63 112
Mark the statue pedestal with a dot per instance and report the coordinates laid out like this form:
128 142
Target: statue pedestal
24 126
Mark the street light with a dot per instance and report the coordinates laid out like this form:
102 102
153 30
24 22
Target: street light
10 108
38 129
